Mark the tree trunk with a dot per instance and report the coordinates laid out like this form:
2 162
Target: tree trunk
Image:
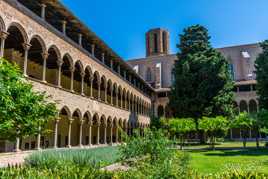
257 139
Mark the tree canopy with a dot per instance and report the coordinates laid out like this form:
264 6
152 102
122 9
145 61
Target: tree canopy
261 65
22 111
202 84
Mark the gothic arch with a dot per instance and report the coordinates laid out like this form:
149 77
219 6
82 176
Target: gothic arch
57 51
77 79
66 71
66 110
52 66
253 107
21 29
243 106
41 41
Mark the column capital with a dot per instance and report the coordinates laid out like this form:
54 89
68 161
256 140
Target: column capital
43 5
81 121
4 35
71 68
26 46
71 120
45 55
59 62
82 74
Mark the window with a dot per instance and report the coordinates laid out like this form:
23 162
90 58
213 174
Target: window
231 71
164 41
149 74
155 43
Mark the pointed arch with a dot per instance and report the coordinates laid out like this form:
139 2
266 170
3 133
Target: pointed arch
66 71
21 29
103 86
87 81
253 107
109 91
96 84
41 41
36 57
52 68
77 80
66 111
243 106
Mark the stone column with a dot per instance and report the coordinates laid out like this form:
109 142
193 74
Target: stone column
81 134
99 91
82 82
98 134
93 50
59 62
43 11
80 36
105 134
72 78
45 56
111 134
70 133
26 50
116 98
112 64
39 139
112 95
91 87
250 134
3 39
89 134
105 94
64 27
116 134
56 133
231 134
121 100
103 58
17 147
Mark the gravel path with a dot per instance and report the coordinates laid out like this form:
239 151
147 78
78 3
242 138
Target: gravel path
13 158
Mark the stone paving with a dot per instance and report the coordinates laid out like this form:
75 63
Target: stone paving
13 158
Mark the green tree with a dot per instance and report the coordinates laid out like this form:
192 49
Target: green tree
215 127
202 84
261 65
181 127
244 122
260 124
23 112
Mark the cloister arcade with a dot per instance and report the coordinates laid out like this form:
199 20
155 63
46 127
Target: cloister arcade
46 66
74 78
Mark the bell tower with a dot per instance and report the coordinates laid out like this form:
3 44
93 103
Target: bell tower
157 42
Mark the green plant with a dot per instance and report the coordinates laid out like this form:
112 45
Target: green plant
181 127
214 127
243 121
23 111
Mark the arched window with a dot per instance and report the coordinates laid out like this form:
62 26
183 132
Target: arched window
52 66
14 49
252 106
243 106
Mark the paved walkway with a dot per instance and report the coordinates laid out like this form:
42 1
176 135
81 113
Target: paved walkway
13 158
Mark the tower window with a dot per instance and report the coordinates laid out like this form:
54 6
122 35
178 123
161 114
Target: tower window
155 43
164 41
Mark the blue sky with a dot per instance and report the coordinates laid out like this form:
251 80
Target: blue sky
122 24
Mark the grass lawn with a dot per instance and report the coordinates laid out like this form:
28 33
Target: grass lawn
207 161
